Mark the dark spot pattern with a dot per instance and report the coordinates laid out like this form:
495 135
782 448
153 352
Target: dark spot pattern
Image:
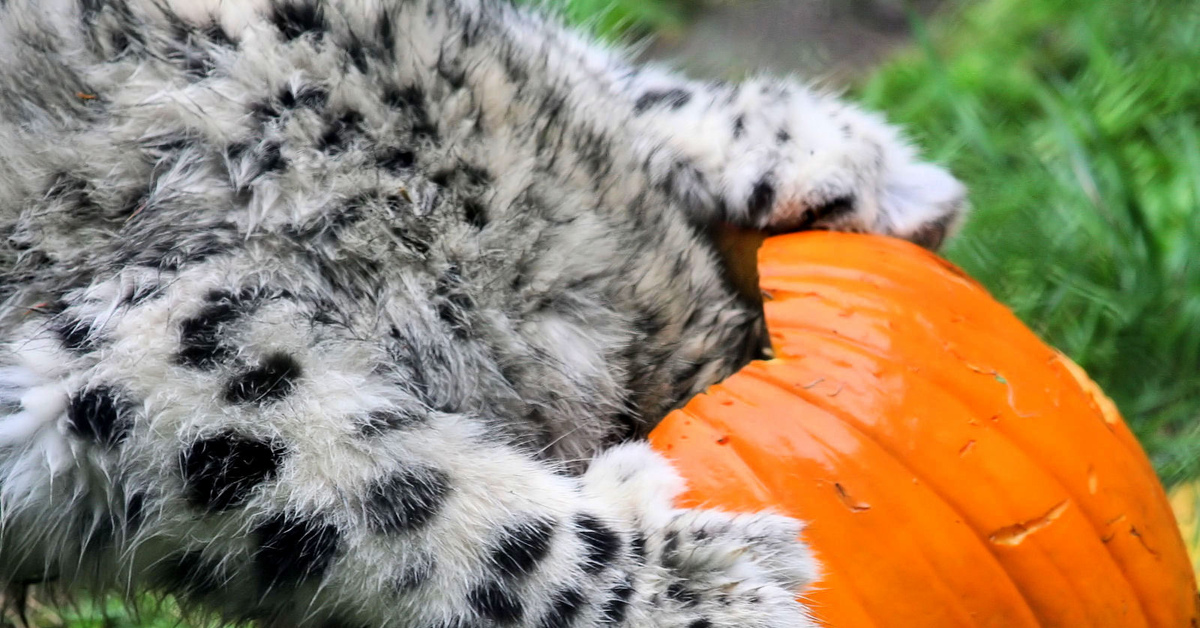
191 574
601 544
700 623
135 511
638 547
274 378
411 99
294 548
617 606
338 132
414 573
220 472
565 606
74 334
673 98
679 592
296 18
100 415
406 500
761 201
475 212
932 234
396 160
832 210
200 343
497 603
379 422
522 546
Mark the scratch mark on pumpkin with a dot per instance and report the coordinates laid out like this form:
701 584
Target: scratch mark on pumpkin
1093 481
851 503
1111 522
966 449
1016 533
816 381
1141 539
838 391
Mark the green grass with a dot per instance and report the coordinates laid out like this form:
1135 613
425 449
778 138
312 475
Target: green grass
1075 124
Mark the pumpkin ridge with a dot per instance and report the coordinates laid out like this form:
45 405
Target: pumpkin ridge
827 565
1090 515
816 437
763 376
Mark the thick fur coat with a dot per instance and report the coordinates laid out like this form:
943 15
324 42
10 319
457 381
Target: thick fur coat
352 312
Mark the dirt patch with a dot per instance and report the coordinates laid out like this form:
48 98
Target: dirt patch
823 40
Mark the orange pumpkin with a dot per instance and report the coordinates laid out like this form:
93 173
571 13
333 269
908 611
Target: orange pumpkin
952 468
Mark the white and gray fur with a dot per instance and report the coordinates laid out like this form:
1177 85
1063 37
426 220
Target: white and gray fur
338 312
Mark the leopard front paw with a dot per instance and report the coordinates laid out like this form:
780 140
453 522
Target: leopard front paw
702 567
818 163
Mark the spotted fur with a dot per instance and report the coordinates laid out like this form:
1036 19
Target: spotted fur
334 312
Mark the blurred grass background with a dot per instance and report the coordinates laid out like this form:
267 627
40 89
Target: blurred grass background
1075 123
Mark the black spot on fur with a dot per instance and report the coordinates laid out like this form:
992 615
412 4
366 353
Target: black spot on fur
638 547
497 603
411 99
414 574
296 18
522 546
99 415
168 255
932 234
308 96
140 294
396 159
617 606
191 575
339 131
406 500
200 343
289 98
294 548
452 304
378 422
565 606
700 623
338 623
782 136
135 511
761 201
385 31
356 51
475 212
679 592
475 175
74 334
274 378
220 472
271 158
216 34
263 158
739 126
674 98
600 543
834 209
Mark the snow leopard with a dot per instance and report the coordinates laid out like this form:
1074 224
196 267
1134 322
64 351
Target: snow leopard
356 313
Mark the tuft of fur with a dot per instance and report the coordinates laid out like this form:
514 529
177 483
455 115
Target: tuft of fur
335 312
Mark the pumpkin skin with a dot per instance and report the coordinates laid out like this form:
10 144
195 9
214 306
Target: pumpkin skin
953 469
